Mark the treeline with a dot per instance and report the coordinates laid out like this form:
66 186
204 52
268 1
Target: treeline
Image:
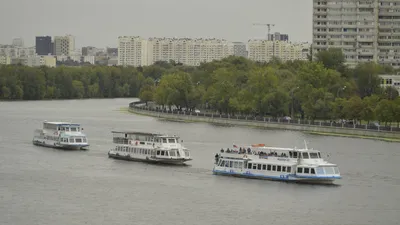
323 89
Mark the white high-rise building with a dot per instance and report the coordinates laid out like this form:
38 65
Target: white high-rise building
64 45
264 50
365 30
133 51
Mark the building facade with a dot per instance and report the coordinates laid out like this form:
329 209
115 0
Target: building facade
18 42
5 60
278 37
365 30
64 45
132 51
264 50
240 49
388 80
43 45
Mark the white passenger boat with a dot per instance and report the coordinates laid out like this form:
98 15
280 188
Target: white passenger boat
282 164
61 135
149 147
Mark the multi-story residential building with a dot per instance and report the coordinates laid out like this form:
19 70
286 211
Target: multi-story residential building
365 30
388 80
64 45
44 45
278 37
36 61
240 49
188 51
264 50
18 42
16 52
133 51
5 60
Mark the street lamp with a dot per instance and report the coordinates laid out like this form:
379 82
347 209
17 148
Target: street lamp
291 94
340 89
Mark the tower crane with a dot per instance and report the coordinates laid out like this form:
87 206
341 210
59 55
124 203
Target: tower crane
269 25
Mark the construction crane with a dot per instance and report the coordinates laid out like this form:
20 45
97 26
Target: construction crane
267 25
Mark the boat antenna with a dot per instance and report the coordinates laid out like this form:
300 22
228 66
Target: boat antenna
305 143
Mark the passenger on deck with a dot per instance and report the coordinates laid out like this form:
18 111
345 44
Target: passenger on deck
228 151
216 158
249 151
222 150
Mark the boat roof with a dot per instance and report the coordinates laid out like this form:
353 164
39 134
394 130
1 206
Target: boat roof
264 148
62 123
143 133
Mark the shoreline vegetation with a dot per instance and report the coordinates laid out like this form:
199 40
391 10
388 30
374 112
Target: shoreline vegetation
328 131
324 89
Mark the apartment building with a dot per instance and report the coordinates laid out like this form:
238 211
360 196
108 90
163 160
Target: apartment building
278 37
133 51
189 51
240 49
5 60
64 45
16 51
265 50
390 80
365 30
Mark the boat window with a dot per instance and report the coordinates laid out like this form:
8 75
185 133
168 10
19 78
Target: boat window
162 152
71 140
230 164
289 169
278 168
305 155
283 168
313 155
63 128
329 170
226 163
264 167
312 171
67 129
273 168
158 152
320 171
336 170
166 153
171 153
249 166
171 140
306 170
220 162
259 166
235 164
73 128
299 170
178 154
78 140
240 165
269 167
254 166
295 155
164 140
319 155
84 140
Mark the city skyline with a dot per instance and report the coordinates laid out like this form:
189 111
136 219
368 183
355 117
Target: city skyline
187 20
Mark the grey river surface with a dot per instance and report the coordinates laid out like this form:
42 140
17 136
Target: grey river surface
46 186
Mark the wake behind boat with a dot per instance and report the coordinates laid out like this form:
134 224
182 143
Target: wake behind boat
271 163
149 147
61 135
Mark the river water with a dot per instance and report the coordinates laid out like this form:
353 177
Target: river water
46 186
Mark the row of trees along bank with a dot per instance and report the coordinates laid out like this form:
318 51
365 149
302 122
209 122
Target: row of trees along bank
324 89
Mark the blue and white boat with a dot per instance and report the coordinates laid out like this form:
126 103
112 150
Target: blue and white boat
280 164
63 135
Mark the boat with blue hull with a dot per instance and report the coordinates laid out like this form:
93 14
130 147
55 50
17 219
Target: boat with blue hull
61 135
279 164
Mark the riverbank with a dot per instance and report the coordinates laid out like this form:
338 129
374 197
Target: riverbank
312 129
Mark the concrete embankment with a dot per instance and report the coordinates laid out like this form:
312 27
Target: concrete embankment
312 129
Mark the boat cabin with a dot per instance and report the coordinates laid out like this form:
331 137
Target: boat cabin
62 126
141 138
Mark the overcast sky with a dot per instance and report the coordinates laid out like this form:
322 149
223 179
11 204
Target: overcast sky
100 22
